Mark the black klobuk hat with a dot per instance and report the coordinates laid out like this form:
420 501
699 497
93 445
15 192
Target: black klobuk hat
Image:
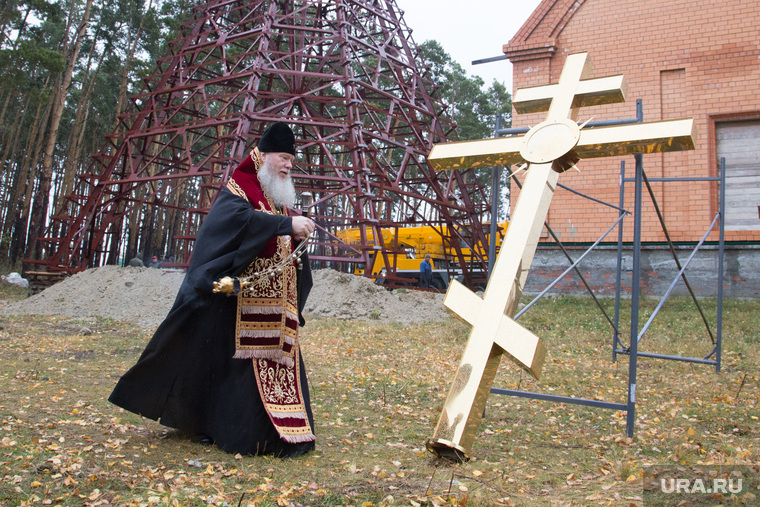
278 138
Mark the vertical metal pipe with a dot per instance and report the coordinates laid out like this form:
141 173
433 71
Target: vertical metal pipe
618 275
721 251
635 286
635 293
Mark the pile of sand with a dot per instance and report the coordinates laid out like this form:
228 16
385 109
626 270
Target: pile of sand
144 296
345 296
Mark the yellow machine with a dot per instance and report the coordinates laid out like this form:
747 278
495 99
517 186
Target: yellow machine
416 242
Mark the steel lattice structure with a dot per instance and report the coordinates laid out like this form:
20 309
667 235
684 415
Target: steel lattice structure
345 74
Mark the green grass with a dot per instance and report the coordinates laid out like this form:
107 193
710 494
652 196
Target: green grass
377 391
10 292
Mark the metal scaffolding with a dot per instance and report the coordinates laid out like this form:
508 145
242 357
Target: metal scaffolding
712 355
345 74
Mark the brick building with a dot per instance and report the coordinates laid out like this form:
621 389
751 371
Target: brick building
682 59
698 59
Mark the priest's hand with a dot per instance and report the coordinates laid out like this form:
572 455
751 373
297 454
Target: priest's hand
302 227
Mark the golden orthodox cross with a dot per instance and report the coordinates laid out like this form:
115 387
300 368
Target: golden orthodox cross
550 147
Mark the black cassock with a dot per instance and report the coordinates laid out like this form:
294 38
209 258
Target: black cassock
187 378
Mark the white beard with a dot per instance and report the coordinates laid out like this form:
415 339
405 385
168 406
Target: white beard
281 191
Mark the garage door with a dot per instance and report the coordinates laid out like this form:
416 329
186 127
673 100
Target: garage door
739 143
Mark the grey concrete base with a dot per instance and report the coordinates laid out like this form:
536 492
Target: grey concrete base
741 277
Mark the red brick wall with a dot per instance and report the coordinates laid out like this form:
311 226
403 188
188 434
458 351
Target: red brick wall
699 59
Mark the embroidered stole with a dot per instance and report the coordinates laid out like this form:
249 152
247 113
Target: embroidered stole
266 330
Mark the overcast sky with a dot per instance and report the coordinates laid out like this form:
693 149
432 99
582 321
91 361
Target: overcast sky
470 30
